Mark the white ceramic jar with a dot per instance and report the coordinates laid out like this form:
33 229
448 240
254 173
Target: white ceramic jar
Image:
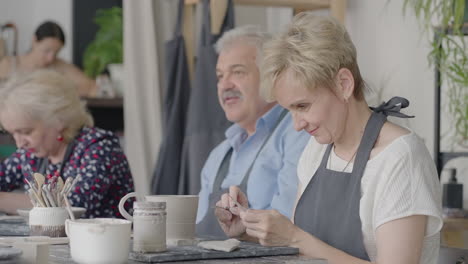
47 221
149 227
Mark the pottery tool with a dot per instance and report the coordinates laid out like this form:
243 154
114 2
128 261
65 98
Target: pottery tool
31 197
39 179
49 195
70 213
52 192
30 185
36 197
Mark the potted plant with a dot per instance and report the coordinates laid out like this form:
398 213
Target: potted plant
449 53
107 46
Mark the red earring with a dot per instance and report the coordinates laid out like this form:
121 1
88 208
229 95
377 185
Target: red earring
60 138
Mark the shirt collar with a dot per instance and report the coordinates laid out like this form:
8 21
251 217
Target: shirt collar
236 135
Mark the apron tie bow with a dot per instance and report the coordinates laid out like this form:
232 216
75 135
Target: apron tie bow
393 107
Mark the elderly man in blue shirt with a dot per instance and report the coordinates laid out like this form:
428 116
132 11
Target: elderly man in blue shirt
261 149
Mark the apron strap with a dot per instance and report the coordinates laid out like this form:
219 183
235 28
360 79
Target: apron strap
206 37
44 162
180 18
371 133
224 167
243 184
373 126
223 170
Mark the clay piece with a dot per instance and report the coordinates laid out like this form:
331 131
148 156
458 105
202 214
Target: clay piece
228 245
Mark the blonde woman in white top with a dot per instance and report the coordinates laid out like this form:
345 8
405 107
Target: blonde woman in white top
368 189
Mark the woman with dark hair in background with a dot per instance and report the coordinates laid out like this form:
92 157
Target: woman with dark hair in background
48 40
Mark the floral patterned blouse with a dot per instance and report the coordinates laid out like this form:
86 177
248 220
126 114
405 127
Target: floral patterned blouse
96 156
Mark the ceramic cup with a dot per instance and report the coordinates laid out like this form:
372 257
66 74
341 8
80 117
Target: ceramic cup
47 221
181 214
99 240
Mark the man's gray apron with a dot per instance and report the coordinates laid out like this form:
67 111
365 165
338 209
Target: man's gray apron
176 98
209 226
329 207
206 121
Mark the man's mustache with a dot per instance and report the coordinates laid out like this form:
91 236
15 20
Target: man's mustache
231 93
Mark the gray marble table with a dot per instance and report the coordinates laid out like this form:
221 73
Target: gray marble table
60 254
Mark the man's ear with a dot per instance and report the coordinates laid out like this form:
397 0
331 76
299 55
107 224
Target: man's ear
345 84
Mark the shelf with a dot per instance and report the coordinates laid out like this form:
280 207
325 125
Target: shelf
107 112
449 30
104 102
444 157
299 4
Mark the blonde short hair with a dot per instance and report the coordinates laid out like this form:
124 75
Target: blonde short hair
250 34
313 48
47 96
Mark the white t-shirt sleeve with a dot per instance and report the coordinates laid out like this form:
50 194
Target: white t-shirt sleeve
408 185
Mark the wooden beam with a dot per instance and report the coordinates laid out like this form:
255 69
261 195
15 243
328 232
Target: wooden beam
218 12
191 2
338 10
298 4
337 7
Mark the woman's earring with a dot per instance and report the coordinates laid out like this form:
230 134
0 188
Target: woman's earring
60 138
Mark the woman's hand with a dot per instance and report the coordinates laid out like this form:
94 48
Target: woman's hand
228 209
269 226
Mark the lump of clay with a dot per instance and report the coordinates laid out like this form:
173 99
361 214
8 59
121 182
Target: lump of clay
226 245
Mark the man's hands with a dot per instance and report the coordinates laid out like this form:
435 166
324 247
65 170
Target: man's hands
228 211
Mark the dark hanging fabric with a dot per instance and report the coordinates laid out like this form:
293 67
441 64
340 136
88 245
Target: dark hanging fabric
206 122
176 98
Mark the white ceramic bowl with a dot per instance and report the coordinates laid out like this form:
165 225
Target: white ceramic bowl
77 212
99 240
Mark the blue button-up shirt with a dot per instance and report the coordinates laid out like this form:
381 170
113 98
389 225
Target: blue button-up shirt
273 180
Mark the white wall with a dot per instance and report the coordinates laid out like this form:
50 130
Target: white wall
28 14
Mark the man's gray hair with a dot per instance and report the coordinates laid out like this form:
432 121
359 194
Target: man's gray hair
251 34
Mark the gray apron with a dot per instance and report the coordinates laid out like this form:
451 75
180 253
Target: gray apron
176 99
206 121
43 163
329 207
209 226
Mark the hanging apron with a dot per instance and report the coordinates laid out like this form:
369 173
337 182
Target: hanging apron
176 94
209 226
206 121
329 207
43 163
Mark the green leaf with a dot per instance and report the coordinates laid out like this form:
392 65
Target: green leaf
107 46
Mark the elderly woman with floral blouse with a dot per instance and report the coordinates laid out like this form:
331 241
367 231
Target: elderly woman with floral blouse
54 134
